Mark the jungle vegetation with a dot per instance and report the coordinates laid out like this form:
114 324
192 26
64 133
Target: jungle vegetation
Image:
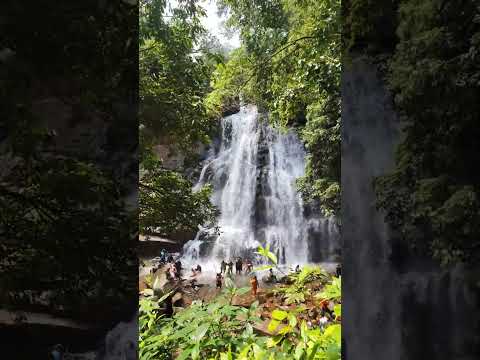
229 326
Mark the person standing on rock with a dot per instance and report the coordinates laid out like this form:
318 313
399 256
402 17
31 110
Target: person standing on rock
223 267
219 280
338 270
238 266
178 267
254 284
249 266
173 272
271 276
163 255
230 268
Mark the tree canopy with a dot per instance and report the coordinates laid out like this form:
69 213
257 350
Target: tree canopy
175 70
289 65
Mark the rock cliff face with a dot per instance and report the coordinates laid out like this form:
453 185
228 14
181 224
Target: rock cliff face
396 306
321 233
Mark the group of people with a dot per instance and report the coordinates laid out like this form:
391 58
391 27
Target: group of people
253 282
165 256
174 271
240 265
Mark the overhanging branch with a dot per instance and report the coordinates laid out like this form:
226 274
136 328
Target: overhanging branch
283 48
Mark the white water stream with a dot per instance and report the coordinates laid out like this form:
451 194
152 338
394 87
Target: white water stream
253 173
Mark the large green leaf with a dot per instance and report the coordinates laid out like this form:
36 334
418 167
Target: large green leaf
279 314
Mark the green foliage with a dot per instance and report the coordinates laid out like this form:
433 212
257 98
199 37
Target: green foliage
431 198
219 330
202 330
167 203
333 290
297 291
369 26
308 274
229 82
267 254
322 137
174 80
70 223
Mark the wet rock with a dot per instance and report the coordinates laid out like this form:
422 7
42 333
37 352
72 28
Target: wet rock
177 299
231 107
147 292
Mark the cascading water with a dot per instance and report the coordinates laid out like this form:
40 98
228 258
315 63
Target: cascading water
253 173
396 304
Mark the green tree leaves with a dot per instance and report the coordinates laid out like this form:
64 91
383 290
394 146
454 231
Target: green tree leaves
265 252
431 198
167 203
332 291
174 80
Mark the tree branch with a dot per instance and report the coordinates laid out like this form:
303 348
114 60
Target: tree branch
286 46
283 48
148 48
148 187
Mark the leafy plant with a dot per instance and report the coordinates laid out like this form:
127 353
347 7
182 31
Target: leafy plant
268 255
296 291
199 330
333 290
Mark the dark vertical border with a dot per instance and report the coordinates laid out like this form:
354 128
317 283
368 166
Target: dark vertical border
399 300
68 149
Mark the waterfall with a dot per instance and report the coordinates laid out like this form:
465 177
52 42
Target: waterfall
253 172
396 304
